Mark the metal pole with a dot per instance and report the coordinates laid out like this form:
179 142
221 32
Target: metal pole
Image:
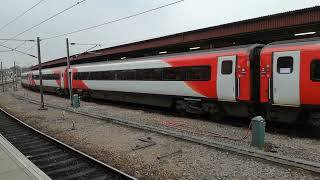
2 78
68 75
17 78
40 75
15 86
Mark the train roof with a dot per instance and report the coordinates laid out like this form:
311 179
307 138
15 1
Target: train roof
295 42
246 48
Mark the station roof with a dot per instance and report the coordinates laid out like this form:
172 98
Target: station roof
265 29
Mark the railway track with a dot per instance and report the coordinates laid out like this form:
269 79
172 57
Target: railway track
56 159
292 163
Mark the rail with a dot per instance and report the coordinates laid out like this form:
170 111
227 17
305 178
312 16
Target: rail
55 158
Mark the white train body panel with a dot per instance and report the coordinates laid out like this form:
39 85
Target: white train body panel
175 88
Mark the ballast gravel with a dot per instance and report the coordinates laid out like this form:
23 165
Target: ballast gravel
169 158
288 145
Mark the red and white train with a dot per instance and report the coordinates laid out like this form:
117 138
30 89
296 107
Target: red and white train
280 81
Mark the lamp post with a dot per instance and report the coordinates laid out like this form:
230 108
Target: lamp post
69 73
68 64
2 78
40 76
15 77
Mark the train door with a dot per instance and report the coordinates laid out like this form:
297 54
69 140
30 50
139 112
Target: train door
226 80
286 78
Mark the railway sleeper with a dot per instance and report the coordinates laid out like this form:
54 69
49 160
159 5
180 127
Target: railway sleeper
16 136
50 159
26 140
44 154
66 162
64 169
37 150
27 144
75 173
36 146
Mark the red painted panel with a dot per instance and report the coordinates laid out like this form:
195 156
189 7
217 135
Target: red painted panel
265 75
78 84
209 88
309 90
243 74
205 88
65 79
58 81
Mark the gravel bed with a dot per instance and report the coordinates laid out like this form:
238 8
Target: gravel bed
298 147
169 158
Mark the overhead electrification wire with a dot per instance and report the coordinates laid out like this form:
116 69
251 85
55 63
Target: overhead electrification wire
5 51
85 44
30 40
26 51
34 45
116 20
18 51
19 16
88 50
51 17
20 45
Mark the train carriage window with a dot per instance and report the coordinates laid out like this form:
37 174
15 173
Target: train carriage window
108 75
157 74
285 65
97 75
92 76
315 70
84 75
130 74
139 74
120 75
198 73
172 74
189 73
146 74
226 67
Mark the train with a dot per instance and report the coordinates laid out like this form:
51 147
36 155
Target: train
279 81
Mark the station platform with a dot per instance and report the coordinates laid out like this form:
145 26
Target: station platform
14 165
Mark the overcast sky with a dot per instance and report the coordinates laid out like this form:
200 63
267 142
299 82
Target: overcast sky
185 16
